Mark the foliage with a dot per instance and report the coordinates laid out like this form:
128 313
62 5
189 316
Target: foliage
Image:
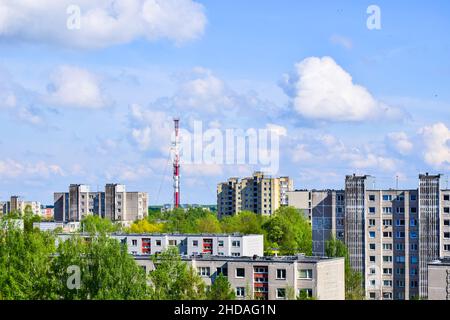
173 279
95 224
289 231
245 222
354 289
221 289
144 226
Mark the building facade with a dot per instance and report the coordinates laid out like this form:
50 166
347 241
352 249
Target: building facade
16 204
260 194
115 203
271 278
439 280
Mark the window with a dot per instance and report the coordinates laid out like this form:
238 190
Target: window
372 271
413 272
195 243
447 222
240 292
387 283
305 274
446 247
172 242
387 222
240 272
400 210
222 270
387 295
387 234
387 246
305 293
400 283
372 210
204 271
413 260
387 258
400 259
399 222
413 223
414 283
400 246
372 295
446 197
372 258
235 254
413 235
446 209
134 243
220 243
446 235
413 197
372 246
400 271
387 197
387 270
236 243
372 197
371 222
281 274
387 210
372 234
281 293
400 234
413 247
372 283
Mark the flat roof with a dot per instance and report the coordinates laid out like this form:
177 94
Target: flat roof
265 259
440 262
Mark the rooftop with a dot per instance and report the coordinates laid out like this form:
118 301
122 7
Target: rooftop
442 262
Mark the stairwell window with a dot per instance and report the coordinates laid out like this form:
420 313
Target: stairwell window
281 274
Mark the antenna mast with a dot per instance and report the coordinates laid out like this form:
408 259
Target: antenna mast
176 165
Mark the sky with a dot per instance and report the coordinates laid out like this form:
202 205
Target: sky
89 88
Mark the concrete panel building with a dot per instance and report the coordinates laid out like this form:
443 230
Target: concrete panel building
439 280
115 203
271 278
17 204
260 194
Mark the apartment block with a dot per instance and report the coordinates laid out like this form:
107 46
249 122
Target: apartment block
439 279
260 194
326 211
271 278
232 245
115 203
16 204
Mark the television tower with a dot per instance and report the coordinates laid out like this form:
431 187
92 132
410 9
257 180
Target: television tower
176 165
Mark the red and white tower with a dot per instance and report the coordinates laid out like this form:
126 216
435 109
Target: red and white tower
176 165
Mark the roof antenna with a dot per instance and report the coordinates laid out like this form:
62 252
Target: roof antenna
396 182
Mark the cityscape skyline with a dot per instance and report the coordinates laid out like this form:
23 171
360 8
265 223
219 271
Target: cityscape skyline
385 112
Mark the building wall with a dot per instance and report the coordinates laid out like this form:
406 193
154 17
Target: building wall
439 280
445 224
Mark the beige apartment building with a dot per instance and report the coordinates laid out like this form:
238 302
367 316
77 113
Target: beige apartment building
115 203
16 204
271 278
260 194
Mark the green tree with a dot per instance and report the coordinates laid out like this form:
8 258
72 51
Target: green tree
173 279
221 289
107 271
354 289
245 222
290 231
208 224
95 224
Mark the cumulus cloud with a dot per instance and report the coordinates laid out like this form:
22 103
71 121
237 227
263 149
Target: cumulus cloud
400 142
75 87
12 169
436 139
321 89
101 23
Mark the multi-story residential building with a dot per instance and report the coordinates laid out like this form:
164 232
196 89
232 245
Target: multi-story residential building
439 280
233 245
115 203
260 194
391 234
271 278
16 204
325 209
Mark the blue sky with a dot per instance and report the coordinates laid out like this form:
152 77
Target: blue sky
93 105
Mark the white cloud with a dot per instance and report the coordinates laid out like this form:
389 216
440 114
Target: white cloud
436 139
103 22
124 172
400 142
320 89
12 169
74 87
